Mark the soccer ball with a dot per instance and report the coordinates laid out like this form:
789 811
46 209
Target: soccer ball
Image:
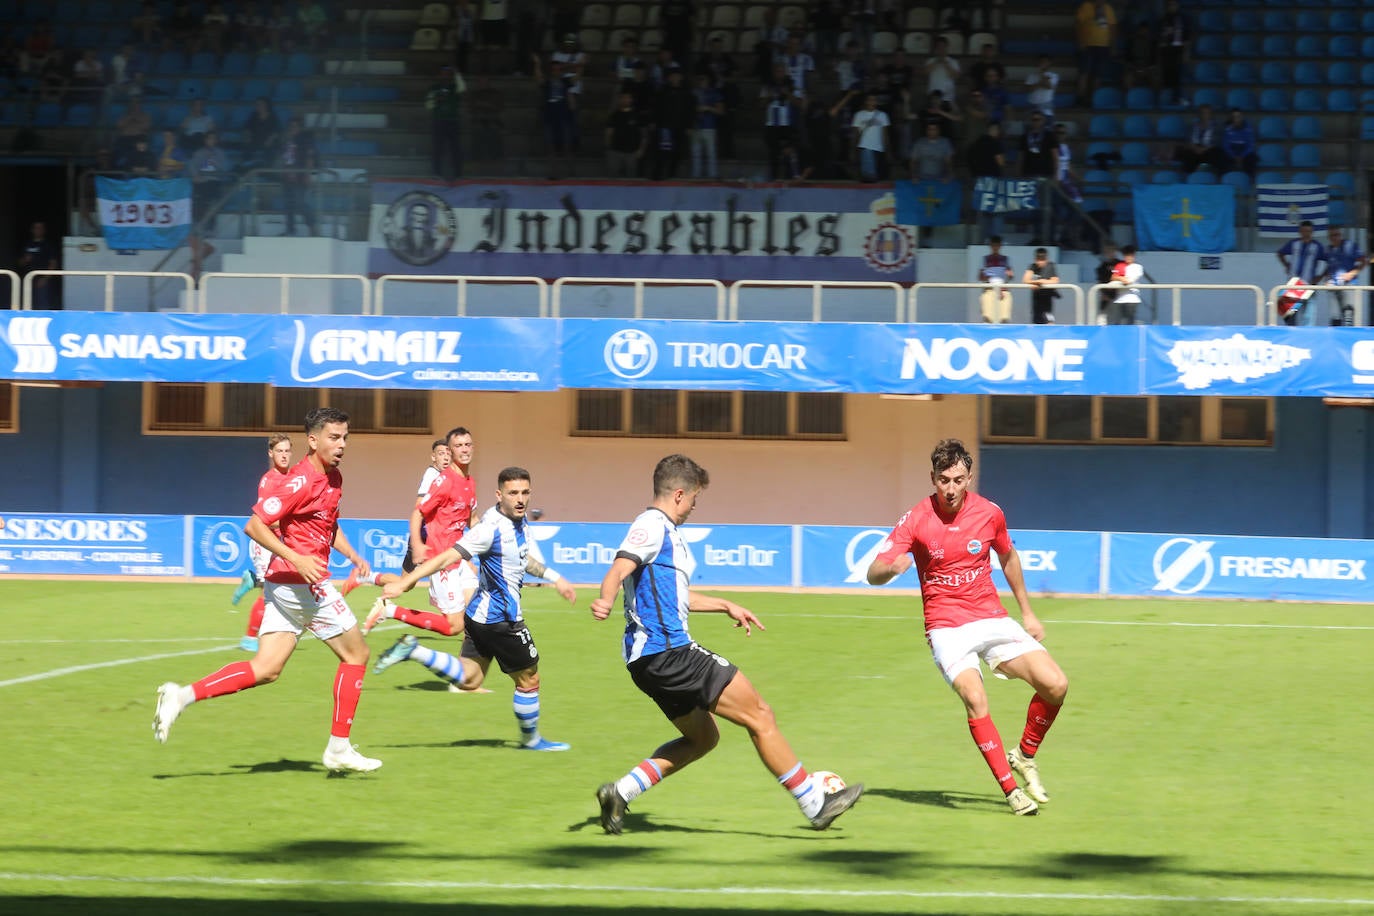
830 783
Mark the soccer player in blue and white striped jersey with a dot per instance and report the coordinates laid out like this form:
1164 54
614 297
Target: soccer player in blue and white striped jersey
688 682
494 624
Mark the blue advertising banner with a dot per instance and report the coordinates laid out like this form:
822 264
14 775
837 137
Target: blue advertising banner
1206 566
382 542
142 213
93 545
835 556
219 548
1245 361
607 229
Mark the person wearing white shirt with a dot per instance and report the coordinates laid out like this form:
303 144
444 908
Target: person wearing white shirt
870 127
942 71
1041 84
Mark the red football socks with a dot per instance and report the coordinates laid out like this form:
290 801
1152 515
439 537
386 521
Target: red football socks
348 690
255 615
229 679
1039 717
425 620
990 744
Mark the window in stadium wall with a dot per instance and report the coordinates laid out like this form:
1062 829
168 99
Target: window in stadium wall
1058 420
237 407
710 414
9 408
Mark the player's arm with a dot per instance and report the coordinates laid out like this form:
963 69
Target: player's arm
881 572
536 567
1011 568
342 545
698 603
311 569
417 544
441 560
620 570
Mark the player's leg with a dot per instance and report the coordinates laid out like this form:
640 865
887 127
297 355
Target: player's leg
335 626
512 645
249 642
1051 685
264 668
699 736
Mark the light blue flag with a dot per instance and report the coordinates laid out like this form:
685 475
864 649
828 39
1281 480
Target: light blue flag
1185 217
928 203
142 213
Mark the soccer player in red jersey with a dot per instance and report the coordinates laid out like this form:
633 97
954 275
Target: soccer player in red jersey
445 512
948 536
304 503
279 458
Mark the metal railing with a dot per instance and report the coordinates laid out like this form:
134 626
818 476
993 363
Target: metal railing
817 288
1359 316
461 288
15 284
110 277
1263 315
1076 293
284 301
638 284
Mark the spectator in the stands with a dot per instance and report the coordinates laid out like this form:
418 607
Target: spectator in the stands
1203 144
781 105
676 16
493 32
52 78
147 25
1037 149
123 65
1175 36
709 107
209 170
197 123
250 28
900 73
261 134
134 123
870 129
941 112
674 114
297 160
1041 84
932 156
564 16
558 114
171 158
279 28
721 68
40 45
88 77
996 97
642 89
826 23
574 61
40 252
987 61
942 70
214 28
183 29
798 63
1141 58
663 62
445 105
464 32
312 23
626 139
769 42
140 160
1095 26
624 66
986 158
851 70
1238 145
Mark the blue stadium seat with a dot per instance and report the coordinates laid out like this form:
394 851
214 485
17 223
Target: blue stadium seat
191 88
251 90
269 65
1130 180
169 63
343 147
1275 73
1270 178
67 11
1243 98
1341 100
1238 180
1312 47
1242 73
1308 73
80 116
1244 20
1164 177
1272 127
1209 46
1093 177
1311 21
1277 47
88 36
1304 178
1104 127
1278 21
1340 73
1336 211
1209 95
1209 71
47 114
1275 100
1138 127
1305 156
203 63
223 90
287 92
1243 45
1272 155
1106 98
1141 98
1367 48
1344 46
298 63
1103 151
1205 177
1340 182
1309 100
1343 21
1212 21
1171 127
1306 127
171 116
1135 154
9 114
236 63
1367 21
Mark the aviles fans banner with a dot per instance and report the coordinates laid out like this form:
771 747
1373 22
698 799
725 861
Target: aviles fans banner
141 213
641 230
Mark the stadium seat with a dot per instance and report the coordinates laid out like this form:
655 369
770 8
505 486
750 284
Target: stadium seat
1209 71
1274 73
1270 178
1242 73
1104 127
191 88
629 16
1343 21
754 17
203 63
593 41
1272 127
727 41
288 92
426 39
1341 100
172 116
1308 73
299 63
722 17
1131 179
1272 155
1238 180
956 42
1306 127
1209 46
251 90
1243 45
1275 100
1304 178
1277 47
1212 21
978 39
1209 95
1106 98
1336 210
650 40
1342 182
1206 177
1141 98
1339 73
920 18
1171 127
1135 154
1098 177
1138 127
1243 98
1308 100
1312 47
1164 177
1278 21
1305 156
223 90
1100 152
885 42
1344 46
598 16
169 63
1310 22
916 43
236 63
1244 20
435 14
1367 48
271 65
80 116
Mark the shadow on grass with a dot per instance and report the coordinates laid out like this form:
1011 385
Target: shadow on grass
937 798
252 769
201 906
640 823
463 742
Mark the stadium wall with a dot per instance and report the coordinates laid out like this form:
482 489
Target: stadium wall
84 450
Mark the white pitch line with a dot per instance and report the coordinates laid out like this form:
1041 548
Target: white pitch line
685 891
140 641
77 669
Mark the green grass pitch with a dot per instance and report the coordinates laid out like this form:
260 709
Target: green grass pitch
1215 767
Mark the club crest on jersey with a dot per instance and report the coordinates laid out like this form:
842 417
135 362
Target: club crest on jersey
272 505
975 547
637 537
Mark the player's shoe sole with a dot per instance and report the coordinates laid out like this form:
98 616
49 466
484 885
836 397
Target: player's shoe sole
249 644
349 761
544 744
1021 804
399 652
350 583
835 804
613 808
1029 771
382 609
169 707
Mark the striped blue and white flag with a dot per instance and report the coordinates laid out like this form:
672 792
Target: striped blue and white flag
1280 207
142 213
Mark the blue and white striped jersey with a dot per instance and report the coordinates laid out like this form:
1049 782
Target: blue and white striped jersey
498 546
656 593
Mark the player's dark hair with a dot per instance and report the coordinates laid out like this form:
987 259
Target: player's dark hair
1127 249
677 471
1306 222
948 453
438 442
509 474
317 418
276 439
456 431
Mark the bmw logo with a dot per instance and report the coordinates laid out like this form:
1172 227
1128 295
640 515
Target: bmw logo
631 354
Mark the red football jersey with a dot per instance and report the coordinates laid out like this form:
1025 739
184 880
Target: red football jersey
447 509
267 480
953 558
305 504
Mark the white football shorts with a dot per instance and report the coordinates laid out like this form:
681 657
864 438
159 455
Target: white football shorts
296 607
994 640
446 587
